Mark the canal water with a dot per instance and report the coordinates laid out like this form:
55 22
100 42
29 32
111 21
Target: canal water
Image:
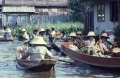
63 69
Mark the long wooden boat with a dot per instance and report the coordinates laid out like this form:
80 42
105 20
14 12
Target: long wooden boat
41 65
112 62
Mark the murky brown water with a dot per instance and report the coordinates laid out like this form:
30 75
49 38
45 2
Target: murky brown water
8 67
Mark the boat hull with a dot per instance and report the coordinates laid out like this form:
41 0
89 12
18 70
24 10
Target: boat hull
41 65
113 62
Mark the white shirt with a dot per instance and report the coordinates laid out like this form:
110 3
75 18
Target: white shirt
53 33
90 43
37 52
56 40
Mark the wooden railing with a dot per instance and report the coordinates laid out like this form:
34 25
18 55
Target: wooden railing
36 2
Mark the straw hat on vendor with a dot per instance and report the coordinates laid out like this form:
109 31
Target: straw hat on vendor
41 30
104 35
58 35
91 34
72 34
8 30
23 30
38 41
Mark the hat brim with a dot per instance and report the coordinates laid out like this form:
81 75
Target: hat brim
58 36
44 43
91 35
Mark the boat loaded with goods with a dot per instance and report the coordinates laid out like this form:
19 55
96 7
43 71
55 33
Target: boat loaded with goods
41 65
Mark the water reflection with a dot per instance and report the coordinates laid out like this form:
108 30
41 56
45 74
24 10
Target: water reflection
62 69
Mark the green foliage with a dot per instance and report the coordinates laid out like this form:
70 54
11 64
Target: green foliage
66 27
117 31
78 8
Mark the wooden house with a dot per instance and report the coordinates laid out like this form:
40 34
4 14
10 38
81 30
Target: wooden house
21 12
105 16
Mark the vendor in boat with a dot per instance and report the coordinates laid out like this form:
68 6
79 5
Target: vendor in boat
23 35
37 51
57 37
7 34
41 33
73 37
104 38
79 40
91 41
100 45
34 34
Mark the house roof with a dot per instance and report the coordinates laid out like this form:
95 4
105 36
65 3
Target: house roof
18 9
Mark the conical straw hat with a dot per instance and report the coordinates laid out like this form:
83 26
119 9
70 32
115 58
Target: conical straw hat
72 34
38 40
104 35
42 30
58 35
23 30
91 33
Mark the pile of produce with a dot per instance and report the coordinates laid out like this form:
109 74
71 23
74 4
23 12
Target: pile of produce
93 51
116 50
23 47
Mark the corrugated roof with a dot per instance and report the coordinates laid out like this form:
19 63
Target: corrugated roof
18 9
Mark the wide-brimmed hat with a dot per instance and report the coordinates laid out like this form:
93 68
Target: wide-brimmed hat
91 33
79 32
38 40
42 30
104 35
8 30
72 34
58 35
23 30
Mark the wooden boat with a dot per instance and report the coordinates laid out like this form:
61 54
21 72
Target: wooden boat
58 45
41 65
112 62
3 39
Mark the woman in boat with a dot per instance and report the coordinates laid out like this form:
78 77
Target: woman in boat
57 37
7 34
79 40
41 33
23 35
91 41
104 38
100 45
34 34
37 51
73 37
